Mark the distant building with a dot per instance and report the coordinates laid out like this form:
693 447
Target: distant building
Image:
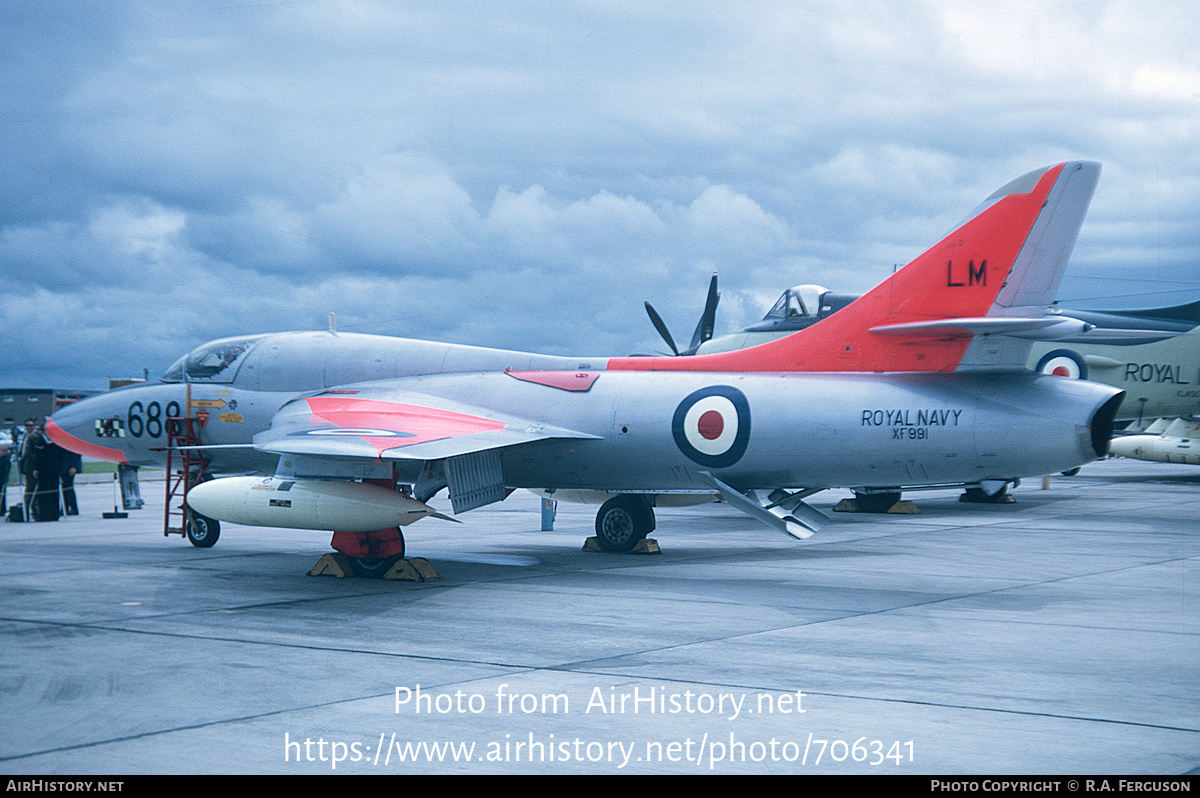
18 404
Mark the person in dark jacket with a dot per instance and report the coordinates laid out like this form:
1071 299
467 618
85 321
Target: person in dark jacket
48 462
6 452
72 464
27 454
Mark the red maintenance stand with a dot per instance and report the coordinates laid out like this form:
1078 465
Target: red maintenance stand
186 467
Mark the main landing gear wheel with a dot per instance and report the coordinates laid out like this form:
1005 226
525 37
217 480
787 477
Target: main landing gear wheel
622 521
376 567
876 502
202 531
373 569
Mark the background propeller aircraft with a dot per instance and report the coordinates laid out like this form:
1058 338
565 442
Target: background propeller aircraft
918 382
704 328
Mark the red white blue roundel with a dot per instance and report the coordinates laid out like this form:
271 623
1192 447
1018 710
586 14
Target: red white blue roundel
712 426
1064 363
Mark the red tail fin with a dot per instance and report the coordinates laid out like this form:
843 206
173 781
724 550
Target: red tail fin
960 277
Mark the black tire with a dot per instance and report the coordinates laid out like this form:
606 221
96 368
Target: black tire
376 567
623 521
1070 472
876 502
978 496
202 531
373 568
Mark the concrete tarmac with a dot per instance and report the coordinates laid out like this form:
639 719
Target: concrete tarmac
1056 635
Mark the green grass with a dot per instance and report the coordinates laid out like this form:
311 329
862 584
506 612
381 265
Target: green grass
89 467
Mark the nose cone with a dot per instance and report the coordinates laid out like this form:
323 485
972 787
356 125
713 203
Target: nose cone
80 427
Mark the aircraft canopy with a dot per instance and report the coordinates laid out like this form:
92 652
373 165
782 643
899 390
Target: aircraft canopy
800 301
212 362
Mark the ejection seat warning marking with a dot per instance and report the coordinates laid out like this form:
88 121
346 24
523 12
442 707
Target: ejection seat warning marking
909 424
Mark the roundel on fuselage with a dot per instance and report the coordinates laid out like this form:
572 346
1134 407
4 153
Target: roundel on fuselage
1063 363
712 426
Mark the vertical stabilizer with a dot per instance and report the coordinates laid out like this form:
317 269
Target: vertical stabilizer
1005 261
1039 267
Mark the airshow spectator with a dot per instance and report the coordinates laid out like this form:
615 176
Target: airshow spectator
47 468
31 445
72 464
6 451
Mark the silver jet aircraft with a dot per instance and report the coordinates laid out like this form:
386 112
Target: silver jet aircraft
919 382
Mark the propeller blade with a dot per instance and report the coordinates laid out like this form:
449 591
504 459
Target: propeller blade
657 321
708 319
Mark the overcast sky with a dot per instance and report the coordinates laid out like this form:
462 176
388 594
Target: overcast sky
525 174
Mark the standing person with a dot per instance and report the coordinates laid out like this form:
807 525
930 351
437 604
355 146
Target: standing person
72 464
5 468
31 446
48 466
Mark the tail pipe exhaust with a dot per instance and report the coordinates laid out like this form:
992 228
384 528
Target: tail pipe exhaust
1102 424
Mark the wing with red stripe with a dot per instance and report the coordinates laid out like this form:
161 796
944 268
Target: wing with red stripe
395 425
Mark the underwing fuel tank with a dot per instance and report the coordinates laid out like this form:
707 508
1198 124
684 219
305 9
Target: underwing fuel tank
1156 449
334 505
1179 442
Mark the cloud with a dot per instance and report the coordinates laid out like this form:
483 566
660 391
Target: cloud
526 175
401 212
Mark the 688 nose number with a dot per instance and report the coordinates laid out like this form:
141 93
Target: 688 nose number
149 419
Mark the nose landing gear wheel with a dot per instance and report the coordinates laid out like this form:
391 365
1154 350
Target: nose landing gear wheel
202 531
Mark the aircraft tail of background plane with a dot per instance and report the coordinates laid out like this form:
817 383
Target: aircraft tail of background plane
974 299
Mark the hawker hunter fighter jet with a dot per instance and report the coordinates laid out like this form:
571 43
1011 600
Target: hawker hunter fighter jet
919 382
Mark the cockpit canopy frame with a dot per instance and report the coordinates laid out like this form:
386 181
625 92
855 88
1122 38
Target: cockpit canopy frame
215 361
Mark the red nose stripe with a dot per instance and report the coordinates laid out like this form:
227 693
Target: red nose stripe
73 444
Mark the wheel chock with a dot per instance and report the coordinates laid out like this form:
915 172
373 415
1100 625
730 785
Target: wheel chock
644 546
417 569
902 507
427 571
332 564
